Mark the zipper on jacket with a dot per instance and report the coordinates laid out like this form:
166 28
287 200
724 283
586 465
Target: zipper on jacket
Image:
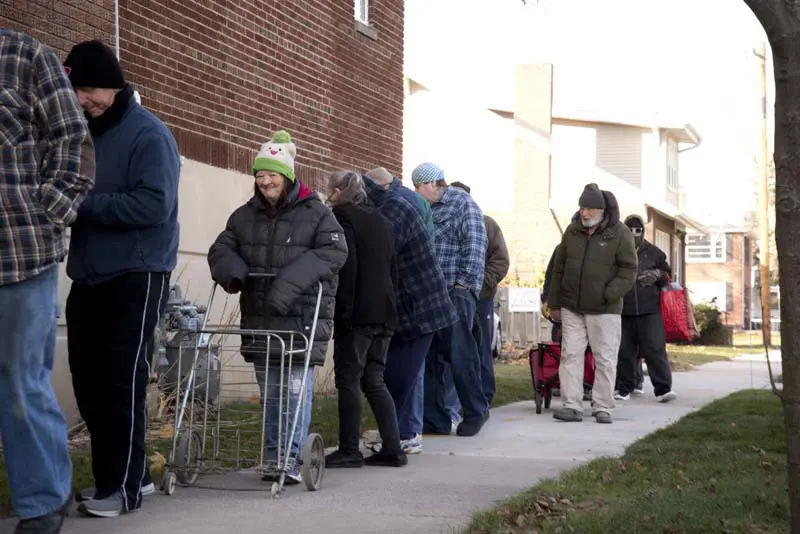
583 263
273 224
636 282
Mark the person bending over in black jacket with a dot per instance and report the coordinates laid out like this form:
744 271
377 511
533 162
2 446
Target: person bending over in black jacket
365 319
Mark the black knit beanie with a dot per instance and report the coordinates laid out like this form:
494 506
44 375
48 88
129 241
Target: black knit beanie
93 64
592 198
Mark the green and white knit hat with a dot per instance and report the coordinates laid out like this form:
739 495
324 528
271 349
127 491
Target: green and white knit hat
277 155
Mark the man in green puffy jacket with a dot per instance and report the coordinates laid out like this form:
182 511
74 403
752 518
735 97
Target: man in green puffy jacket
594 268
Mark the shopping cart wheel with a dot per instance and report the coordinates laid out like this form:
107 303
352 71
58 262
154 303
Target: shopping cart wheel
188 458
539 398
313 468
169 482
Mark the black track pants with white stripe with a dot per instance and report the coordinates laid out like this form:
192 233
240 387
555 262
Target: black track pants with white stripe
109 326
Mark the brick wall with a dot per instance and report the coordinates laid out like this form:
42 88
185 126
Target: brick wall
60 24
735 273
224 75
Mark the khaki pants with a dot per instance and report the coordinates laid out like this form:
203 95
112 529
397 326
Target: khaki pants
603 334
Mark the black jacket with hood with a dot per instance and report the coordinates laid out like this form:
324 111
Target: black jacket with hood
646 300
302 244
593 272
368 280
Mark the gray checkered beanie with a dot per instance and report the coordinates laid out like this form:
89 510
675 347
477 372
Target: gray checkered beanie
426 173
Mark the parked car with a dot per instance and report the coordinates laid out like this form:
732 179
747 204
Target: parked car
497 335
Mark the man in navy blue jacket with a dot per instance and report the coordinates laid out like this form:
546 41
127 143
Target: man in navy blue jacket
123 247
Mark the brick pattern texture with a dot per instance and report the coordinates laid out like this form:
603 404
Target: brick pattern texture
224 75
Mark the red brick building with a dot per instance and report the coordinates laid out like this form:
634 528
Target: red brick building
225 74
719 264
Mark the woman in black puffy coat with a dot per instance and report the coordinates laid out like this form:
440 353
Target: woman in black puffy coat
285 231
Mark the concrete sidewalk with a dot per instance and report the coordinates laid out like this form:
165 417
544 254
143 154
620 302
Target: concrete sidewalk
441 488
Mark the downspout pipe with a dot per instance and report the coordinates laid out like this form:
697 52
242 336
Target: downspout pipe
136 94
116 28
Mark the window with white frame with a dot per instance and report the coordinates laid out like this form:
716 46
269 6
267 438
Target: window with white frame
677 260
704 248
362 11
672 165
662 241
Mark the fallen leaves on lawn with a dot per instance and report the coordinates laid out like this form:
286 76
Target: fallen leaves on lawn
543 507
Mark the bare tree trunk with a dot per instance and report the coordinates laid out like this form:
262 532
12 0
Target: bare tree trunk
781 21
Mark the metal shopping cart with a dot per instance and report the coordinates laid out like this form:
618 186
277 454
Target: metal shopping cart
232 432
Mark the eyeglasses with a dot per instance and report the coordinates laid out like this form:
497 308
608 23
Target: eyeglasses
637 231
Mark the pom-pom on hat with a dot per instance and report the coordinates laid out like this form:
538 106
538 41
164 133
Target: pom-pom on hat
277 155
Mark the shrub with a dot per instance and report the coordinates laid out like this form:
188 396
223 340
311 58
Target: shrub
708 318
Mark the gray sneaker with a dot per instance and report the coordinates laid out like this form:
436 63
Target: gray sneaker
111 506
602 417
568 415
88 493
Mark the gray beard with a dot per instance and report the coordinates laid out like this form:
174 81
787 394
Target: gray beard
592 222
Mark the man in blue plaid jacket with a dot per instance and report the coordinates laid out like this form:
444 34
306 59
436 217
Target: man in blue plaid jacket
423 306
461 252
46 168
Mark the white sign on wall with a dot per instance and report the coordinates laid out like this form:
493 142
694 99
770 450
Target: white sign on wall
524 299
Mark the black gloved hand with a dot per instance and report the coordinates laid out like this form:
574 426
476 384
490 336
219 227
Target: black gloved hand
649 277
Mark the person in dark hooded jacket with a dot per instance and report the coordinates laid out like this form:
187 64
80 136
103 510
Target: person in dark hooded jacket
642 324
594 268
284 231
423 306
366 318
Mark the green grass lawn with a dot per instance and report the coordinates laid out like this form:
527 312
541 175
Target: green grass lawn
513 384
721 469
754 339
685 357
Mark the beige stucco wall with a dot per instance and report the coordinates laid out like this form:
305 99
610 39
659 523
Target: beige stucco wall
207 197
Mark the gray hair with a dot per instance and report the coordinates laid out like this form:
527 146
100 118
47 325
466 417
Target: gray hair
350 186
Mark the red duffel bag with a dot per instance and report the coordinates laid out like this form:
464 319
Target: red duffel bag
678 314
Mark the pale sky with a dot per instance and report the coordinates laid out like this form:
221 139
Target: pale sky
690 60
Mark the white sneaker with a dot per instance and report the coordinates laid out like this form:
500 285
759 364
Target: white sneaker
454 425
413 445
667 397
88 493
620 397
637 392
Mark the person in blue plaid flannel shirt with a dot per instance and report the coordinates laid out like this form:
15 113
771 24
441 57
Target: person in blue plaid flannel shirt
47 166
460 246
423 306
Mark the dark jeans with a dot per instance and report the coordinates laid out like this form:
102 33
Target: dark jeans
456 346
359 361
643 334
108 327
405 377
486 321
639 374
